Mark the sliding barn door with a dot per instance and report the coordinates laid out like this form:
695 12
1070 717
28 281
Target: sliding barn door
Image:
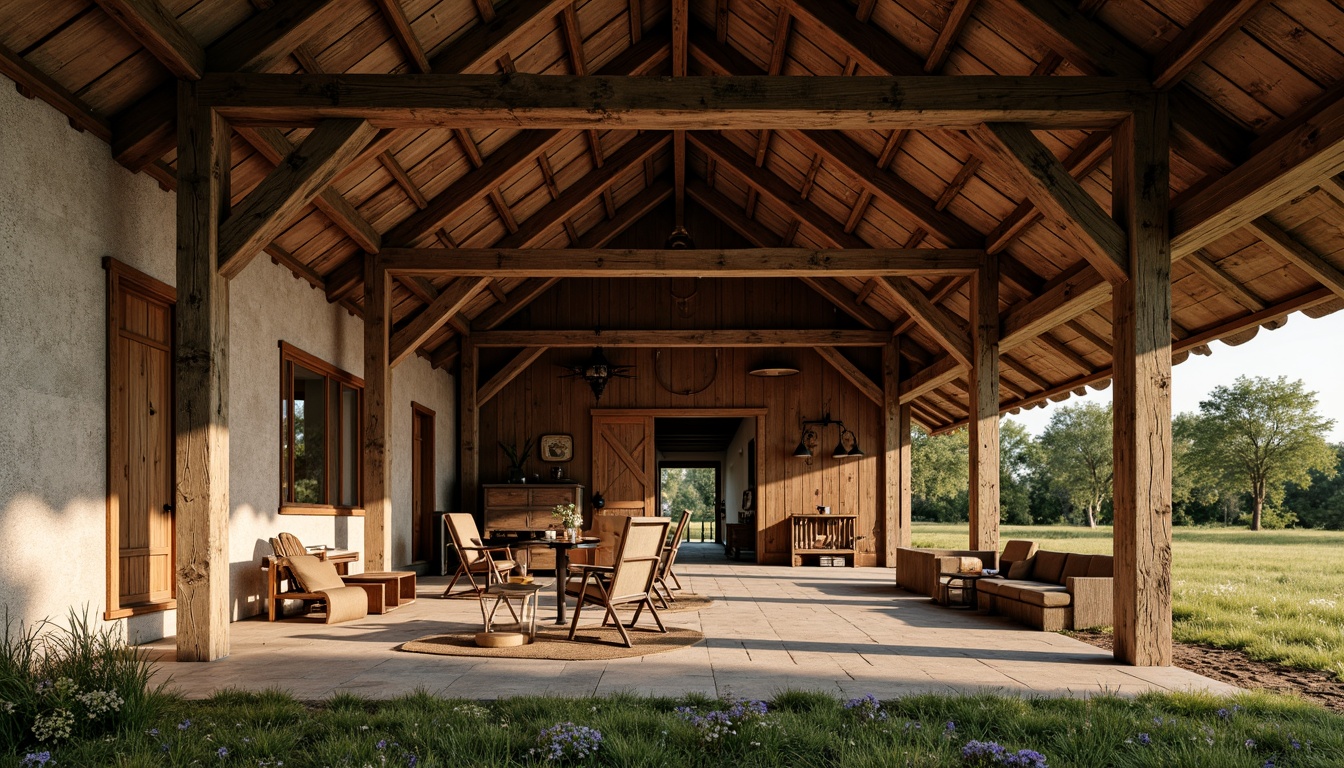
624 472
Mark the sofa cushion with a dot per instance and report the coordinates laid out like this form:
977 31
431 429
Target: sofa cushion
1101 566
1048 566
1018 549
1074 565
1047 596
1009 588
1020 569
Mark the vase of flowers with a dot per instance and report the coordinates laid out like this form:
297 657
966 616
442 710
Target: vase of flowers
570 517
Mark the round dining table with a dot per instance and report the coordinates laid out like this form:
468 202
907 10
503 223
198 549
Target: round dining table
562 546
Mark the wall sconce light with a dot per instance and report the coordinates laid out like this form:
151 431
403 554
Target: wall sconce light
812 435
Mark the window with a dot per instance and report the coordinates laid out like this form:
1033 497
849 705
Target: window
320 421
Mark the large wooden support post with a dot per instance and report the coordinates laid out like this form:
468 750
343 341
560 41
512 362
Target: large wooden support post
896 457
1142 328
377 416
984 407
468 426
201 370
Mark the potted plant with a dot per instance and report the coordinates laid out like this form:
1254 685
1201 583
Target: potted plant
517 459
570 517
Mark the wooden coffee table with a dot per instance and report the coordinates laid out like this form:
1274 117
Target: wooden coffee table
966 582
398 588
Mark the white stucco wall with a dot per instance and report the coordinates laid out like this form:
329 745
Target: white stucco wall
64 204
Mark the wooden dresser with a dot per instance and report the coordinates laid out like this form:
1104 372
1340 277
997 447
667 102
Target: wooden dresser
525 508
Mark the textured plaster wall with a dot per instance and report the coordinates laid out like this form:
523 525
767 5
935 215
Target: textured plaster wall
64 204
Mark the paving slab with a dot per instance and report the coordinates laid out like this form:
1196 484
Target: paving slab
844 631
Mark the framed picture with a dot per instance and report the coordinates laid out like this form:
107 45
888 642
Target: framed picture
748 500
556 447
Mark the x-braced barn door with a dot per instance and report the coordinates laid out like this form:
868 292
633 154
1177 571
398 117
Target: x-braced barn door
140 460
624 472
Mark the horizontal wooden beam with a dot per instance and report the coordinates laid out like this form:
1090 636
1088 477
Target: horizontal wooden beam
1211 27
708 262
689 103
1064 299
682 338
851 373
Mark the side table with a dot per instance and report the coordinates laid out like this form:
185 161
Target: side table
398 587
525 595
965 583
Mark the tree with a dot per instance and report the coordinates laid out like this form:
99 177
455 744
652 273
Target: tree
1018 460
1260 434
1320 505
1076 449
688 488
940 475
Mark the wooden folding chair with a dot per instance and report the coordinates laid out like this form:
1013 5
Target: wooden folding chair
473 557
629 581
661 589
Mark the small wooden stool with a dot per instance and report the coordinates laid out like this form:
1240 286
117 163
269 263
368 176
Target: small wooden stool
526 615
398 587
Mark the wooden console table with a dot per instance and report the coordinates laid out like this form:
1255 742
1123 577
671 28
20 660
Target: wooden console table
525 508
813 536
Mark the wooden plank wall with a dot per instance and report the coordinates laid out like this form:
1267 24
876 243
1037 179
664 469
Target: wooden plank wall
542 401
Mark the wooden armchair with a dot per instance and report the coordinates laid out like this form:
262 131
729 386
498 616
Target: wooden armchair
661 589
629 581
473 557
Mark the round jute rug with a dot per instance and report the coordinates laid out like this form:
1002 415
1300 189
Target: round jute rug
686 601
551 644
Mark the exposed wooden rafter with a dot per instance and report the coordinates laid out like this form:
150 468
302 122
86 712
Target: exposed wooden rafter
160 33
682 338
450 301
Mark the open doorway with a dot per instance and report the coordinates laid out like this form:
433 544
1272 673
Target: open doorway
706 464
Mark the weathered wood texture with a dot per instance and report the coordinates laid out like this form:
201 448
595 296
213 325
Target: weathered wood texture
1142 400
202 387
984 409
896 479
377 446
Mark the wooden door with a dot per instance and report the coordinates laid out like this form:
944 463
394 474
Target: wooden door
624 472
141 462
422 483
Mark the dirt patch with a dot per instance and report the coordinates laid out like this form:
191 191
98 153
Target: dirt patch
1234 667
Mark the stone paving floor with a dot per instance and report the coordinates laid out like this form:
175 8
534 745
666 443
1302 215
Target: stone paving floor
847 631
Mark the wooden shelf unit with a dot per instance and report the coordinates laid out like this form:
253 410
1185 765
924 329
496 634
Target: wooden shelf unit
812 536
526 508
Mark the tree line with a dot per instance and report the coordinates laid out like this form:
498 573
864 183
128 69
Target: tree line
1254 454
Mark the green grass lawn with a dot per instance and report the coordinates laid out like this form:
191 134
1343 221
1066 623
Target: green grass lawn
798 729
1277 595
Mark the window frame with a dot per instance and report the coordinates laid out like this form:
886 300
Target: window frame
291 355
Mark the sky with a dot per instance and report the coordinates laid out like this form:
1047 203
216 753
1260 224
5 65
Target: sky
1306 349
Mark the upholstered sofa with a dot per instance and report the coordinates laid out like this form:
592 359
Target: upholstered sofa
918 568
1052 591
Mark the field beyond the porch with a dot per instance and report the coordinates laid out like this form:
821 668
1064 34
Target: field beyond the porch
1276 595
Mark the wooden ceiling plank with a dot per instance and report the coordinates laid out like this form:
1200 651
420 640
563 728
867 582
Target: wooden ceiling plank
145 132
39 85
1299 255
727 211
948 35
287 260
1091 337
1022 157
1096 49
875 49
950 333
1219 20
851 373
450 301
342 281
792 338
1025 371
161 34
529 101
273 145
519 298
265 213
510 160
846 302
540 224
510 259
446 354
1062 351
519 363
493 37
1305 152
635 209
635 9
1223 282
395 16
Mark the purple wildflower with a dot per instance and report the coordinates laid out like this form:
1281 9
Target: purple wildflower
223 752
1250 743
184 725
36 758
866 708
1145 739
567 740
